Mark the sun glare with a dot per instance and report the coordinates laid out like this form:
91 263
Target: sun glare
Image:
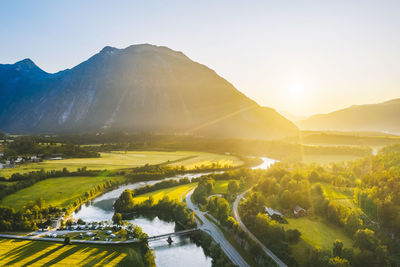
295 91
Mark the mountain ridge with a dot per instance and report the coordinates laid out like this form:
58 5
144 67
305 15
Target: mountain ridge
138 88
383 117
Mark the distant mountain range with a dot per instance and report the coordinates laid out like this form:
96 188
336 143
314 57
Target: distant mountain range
382 117
142 88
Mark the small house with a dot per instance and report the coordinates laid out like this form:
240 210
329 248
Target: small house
299 211
275 215
271 212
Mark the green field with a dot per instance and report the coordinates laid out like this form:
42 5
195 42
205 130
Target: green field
325 159
318 233
332 193
128 159
174 193
340 198
39 253
207 159
221 187
56 191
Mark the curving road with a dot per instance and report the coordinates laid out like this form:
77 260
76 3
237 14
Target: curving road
237 218
215 233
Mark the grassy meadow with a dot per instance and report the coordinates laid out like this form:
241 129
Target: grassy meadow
221 187
174 193
318 233
56 191
39 253
129 159
178 192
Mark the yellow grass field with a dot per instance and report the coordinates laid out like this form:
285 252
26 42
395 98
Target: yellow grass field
206 159
39 253
174 193
129 159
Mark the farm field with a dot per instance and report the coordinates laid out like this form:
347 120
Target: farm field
207 159
174 193
129 159
56 191
317 233
39 253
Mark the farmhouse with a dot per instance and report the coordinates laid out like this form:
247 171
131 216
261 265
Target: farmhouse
299 211
271 212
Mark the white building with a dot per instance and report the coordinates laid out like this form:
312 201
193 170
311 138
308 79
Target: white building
271 212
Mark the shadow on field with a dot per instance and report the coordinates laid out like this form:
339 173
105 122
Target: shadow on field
84 256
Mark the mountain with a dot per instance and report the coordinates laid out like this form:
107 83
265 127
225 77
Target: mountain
292 117
142 88
383 117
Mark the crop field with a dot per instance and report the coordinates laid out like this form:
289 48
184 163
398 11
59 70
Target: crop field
129 159
39 253
318 233
56 191
207 159
175 192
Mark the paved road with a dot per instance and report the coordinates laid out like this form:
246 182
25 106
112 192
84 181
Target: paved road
215 233
237 218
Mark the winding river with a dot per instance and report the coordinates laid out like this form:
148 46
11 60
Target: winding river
182 252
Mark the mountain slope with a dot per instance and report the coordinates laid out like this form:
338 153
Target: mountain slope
373 117
139 88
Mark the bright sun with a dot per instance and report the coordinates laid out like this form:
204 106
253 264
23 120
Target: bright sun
295 91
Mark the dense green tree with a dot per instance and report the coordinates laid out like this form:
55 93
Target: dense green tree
233 187
117 218
337 248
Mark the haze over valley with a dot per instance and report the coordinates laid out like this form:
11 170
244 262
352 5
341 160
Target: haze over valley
209 134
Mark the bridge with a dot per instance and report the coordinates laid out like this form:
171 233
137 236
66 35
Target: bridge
183 232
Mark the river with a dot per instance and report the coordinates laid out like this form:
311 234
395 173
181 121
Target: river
182 252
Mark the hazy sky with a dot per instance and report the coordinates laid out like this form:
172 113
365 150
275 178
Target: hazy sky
304 57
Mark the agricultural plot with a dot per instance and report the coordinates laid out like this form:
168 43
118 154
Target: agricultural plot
174 193
39 253
56 191
129 159
318 233
207 159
